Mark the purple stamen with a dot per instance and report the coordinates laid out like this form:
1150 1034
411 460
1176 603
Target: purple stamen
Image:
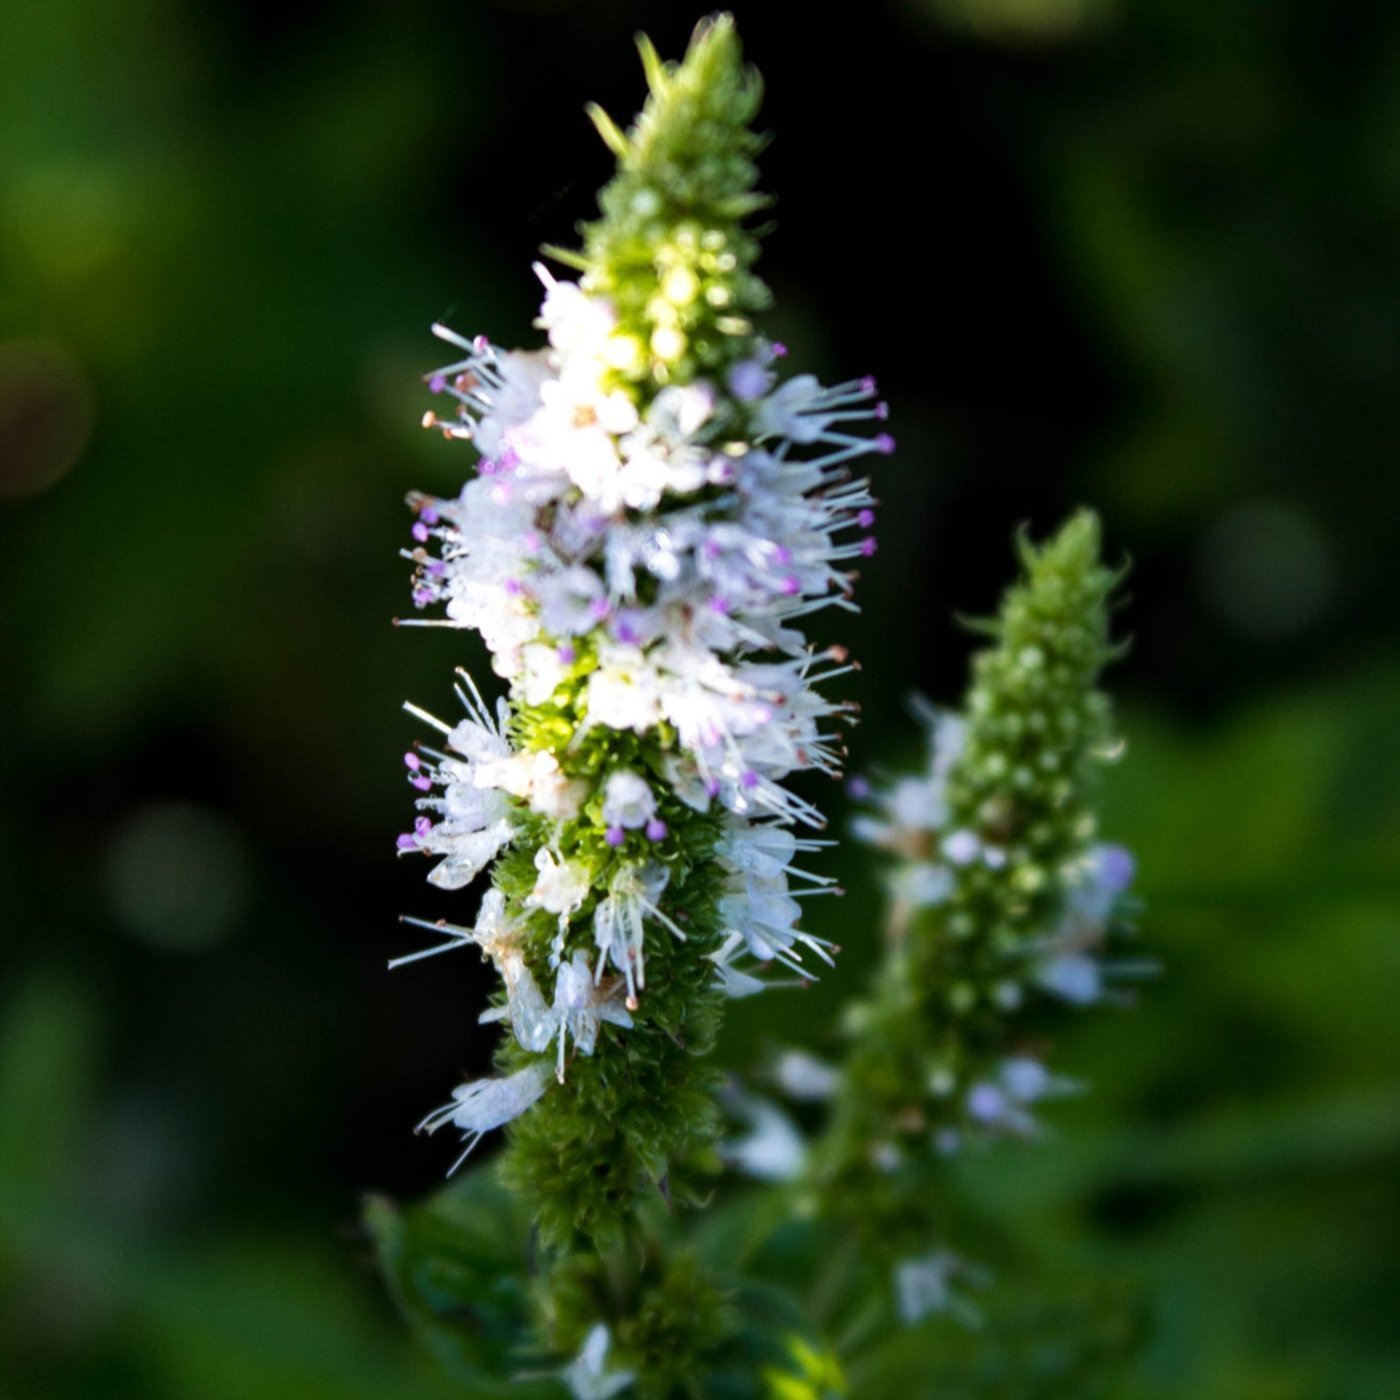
429 515
435 568
748 778
599 608
719 605
779 350
615 836
884 443
865 519
565 655
882 411
422 782
422 597
867 385
858 788
782 556
791 585
422 826
656 829
412 762
867 546
406 842
514 587
420 532
437 383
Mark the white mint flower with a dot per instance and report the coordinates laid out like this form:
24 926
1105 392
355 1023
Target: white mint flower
930 1285
570 601
628 801
921 885
773 1149
804 1077
588 1376
484 1104
466 853
515 401
473 825
494 932
619 923
734 982
1002 1105
578 326
758 906
582 1004
561 885
623 691
579 1008
1068 964
543 669
551 792
537 779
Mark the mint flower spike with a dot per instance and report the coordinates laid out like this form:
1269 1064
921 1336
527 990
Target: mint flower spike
653 513
1001 898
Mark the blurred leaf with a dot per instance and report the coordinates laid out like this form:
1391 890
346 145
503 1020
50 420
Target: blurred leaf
457 1267
1071 1344
47 1057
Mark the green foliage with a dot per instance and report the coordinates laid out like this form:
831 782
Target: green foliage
670 250
1039 1338
93 1302
47 1045
456 1267
810 1374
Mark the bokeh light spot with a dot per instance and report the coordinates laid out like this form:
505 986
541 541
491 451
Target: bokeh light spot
176 876
1266 568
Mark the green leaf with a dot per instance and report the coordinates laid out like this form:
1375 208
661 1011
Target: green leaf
457 1266
46 1073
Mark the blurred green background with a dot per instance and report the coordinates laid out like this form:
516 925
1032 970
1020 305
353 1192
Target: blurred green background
1134 253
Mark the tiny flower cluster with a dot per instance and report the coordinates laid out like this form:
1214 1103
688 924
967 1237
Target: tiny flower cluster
638 567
